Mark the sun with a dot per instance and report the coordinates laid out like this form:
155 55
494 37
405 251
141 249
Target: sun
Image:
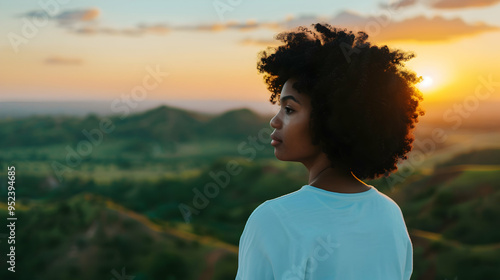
426 82
436 76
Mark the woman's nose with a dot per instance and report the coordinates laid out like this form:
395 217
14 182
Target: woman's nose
275 122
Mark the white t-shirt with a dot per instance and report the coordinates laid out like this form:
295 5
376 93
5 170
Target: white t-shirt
317 234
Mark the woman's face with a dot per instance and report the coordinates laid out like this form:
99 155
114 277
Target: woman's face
291 126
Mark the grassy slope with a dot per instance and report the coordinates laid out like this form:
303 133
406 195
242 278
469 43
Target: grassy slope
450 203
453 216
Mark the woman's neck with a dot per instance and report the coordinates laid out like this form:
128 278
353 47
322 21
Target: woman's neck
335 179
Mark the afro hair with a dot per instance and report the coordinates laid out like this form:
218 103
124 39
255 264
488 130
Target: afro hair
364 101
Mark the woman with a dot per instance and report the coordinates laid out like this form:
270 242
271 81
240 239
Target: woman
347 112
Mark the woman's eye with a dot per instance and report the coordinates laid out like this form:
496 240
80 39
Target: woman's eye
288 110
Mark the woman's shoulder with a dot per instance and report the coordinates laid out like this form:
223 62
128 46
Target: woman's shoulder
389 202
286 207
273 208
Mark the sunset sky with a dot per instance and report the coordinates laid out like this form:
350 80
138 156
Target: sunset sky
99 50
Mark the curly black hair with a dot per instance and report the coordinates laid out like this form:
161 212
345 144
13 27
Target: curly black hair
364 101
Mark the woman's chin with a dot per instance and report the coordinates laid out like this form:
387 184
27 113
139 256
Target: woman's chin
280 156
277 155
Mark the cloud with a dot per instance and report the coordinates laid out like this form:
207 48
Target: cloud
442 4
161 29
458 4
134 31
157 28
68 17
432 29
73 16
418 28
58 60
382 29
399 4
250 25
259 42
93 30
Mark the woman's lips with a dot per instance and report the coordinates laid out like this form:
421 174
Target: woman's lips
275 140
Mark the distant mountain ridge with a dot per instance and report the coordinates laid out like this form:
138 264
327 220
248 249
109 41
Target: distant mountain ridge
160 125
21 109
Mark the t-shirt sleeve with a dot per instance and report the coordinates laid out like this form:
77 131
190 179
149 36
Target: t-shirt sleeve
409 261
262 237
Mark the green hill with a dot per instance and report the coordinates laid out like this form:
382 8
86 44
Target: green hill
119 207
453 216
163 124
89 237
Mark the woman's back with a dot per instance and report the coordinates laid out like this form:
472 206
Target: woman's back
317 234
347 113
